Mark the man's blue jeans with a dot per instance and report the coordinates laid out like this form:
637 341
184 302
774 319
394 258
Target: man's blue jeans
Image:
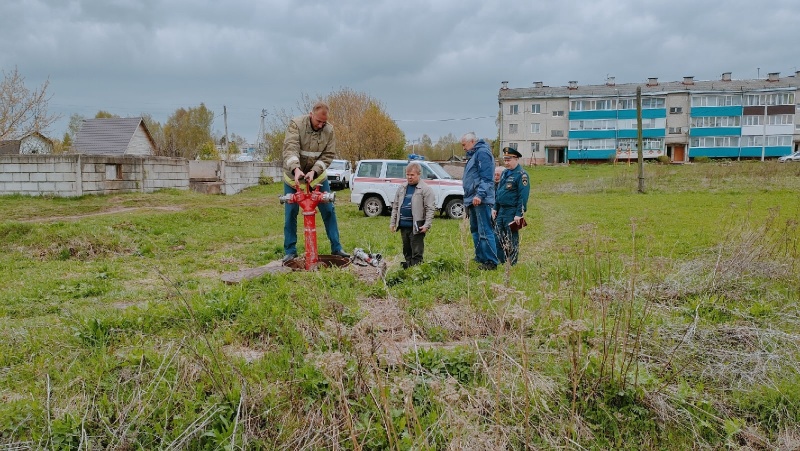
327 212
480 224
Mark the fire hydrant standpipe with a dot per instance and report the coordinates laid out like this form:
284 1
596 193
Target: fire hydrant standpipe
308 202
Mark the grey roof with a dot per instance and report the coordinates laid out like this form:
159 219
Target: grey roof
629 89
107 136
10 147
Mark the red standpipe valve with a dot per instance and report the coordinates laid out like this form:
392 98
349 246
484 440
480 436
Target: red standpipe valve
308 202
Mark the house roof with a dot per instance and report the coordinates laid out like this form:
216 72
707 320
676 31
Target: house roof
108 136
10 147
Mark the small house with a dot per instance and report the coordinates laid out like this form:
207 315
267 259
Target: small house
115 136
31 144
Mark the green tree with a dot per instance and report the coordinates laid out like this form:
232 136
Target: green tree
23 111
272 145
75 123
186 131
447 147
65 146
102 114
363 128
156 131
207 151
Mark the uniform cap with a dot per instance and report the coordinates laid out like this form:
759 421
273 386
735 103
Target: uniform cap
511 152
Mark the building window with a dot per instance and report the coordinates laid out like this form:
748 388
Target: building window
513 128
558 113
780 119
753 120
591 144
715 141
627 104
534 147
649 103
113 172
536 128
593 124
716 121
675 110
513 109
674 130
513 145
591 105
772 140
557 133
647 144
780 98
536 108
716 100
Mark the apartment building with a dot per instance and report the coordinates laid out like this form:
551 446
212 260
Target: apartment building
725 118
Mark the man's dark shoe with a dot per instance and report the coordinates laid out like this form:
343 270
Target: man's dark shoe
342 254
487 266
288 257
404 265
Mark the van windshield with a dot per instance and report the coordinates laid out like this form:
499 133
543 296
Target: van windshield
337 164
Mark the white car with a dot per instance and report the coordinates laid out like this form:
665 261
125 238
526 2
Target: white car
376 181
339 174
791 157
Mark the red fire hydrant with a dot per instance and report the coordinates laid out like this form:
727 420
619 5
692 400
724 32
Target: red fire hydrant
308 202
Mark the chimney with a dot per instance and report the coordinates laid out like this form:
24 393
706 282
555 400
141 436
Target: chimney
573 85
726 76
505 85
688 80
610 81
773 76
538 84
652 81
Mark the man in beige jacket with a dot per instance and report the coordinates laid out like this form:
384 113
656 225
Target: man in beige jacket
412 213
308 149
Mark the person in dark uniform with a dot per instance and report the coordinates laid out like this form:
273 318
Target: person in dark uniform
510 205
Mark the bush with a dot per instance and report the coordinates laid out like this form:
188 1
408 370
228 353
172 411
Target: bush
263 179
663 159
701 159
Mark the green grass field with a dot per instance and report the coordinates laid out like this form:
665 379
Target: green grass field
660 320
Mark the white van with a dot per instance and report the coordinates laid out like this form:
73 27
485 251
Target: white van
339 174
375 183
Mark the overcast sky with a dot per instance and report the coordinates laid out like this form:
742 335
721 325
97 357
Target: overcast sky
435 65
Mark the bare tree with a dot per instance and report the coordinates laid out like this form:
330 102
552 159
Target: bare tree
23 111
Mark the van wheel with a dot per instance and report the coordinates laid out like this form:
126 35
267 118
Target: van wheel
373 206
454 208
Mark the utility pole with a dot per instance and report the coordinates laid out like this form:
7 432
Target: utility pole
261 145
227 144
639 137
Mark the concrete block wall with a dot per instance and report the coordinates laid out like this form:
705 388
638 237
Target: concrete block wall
109 175
77 175
239 175
163 172
37 175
